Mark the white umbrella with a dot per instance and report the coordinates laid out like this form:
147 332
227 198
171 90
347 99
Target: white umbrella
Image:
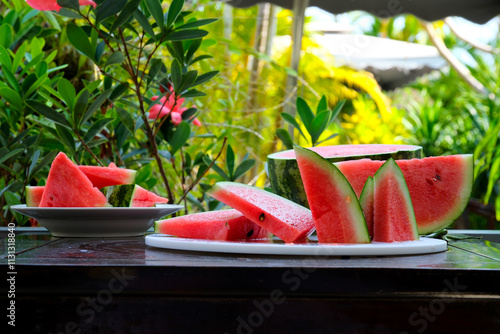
393 63
479 11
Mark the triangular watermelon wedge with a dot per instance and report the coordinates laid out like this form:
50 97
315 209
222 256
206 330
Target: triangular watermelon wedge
440 187
67 186
108 176
366 202
337 214
393 215
285 219
227 225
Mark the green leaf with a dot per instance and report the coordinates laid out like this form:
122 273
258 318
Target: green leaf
12 97
154 6
322 104
6 35
285 138
126 119
34 160
118 91
95 105
48 112
67 92
11 80
183 35
230 160
337 109
80 107
143 21
45 161
125 14
193 93
188 80
204 78
71 4
242 168
194 45
180 136
5 60
79 39
319 124
305 113
328 138
176 73
96 128
116 58
11 154
108 8
289 118
66 137
196 24
173 11
216 168
155 67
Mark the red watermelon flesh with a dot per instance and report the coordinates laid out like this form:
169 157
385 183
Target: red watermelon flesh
337 214
145 198
108 176
67 186
439 187
226 225
393 215
366 202
285 219
34 195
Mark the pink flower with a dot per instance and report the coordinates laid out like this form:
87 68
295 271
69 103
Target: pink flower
176 117
52 4
196 122
167 106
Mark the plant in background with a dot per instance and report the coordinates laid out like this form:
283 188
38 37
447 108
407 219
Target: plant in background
131 106
314 123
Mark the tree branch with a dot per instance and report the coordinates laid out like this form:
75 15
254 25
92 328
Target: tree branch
452 60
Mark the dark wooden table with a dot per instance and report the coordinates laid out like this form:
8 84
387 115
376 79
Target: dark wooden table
120 285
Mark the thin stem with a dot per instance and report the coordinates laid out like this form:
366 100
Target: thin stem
195 182
88 149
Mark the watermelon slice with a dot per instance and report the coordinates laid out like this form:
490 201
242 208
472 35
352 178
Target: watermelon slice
108 176
366 202
338 217
284 174
133 195
439 187
34 195
227 225
287 220
67 186
393 215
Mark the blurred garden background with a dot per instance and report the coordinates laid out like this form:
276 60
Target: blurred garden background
57 94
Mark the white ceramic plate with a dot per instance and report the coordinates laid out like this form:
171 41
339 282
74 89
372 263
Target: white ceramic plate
277 247
97 222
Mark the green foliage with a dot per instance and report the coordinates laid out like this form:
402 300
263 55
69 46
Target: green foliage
95 104
314 123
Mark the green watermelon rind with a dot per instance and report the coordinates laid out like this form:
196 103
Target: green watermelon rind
121 196
284 175
390 166
343 184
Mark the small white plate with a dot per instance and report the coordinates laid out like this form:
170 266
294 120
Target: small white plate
97 222
277 247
